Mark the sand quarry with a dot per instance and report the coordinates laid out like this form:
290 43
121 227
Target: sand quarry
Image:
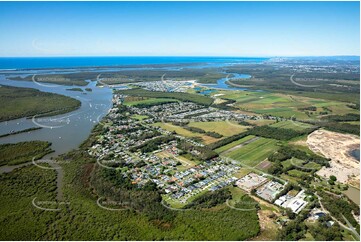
337 146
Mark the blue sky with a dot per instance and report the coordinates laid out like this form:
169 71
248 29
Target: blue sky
179 28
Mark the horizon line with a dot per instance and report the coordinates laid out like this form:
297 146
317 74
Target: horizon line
196 56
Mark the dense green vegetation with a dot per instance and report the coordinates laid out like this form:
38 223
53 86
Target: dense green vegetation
198 130
278 133
71 79
287 152
19 219
339 207
210 199
278 79
346 117
199 99
75 89
19 102
322 232
297 163
128 76
13 154
203 153
342 127
83 219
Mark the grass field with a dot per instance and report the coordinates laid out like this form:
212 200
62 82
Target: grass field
297 173
139 117
298 126
313 165
292 162
261 122
299 163
224 128
252 154
233 144
186 163
284 105
179 130
186 133
19 102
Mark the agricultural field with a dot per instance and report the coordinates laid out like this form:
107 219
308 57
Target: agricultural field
252 154
261 122
234 143
225 128
283 105
289 124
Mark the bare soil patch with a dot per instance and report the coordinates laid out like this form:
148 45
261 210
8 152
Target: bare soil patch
337 146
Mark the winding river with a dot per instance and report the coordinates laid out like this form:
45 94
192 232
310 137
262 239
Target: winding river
66 131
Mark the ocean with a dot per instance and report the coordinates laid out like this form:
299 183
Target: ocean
70 62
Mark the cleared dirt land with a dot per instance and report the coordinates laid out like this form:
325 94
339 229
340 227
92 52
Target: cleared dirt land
337 146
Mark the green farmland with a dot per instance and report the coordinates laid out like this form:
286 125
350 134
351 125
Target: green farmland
225 128
252 154
297 126
234 143
284 105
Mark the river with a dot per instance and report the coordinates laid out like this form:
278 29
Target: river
66 131
222 83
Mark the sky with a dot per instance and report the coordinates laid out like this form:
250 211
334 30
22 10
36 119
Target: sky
179 29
